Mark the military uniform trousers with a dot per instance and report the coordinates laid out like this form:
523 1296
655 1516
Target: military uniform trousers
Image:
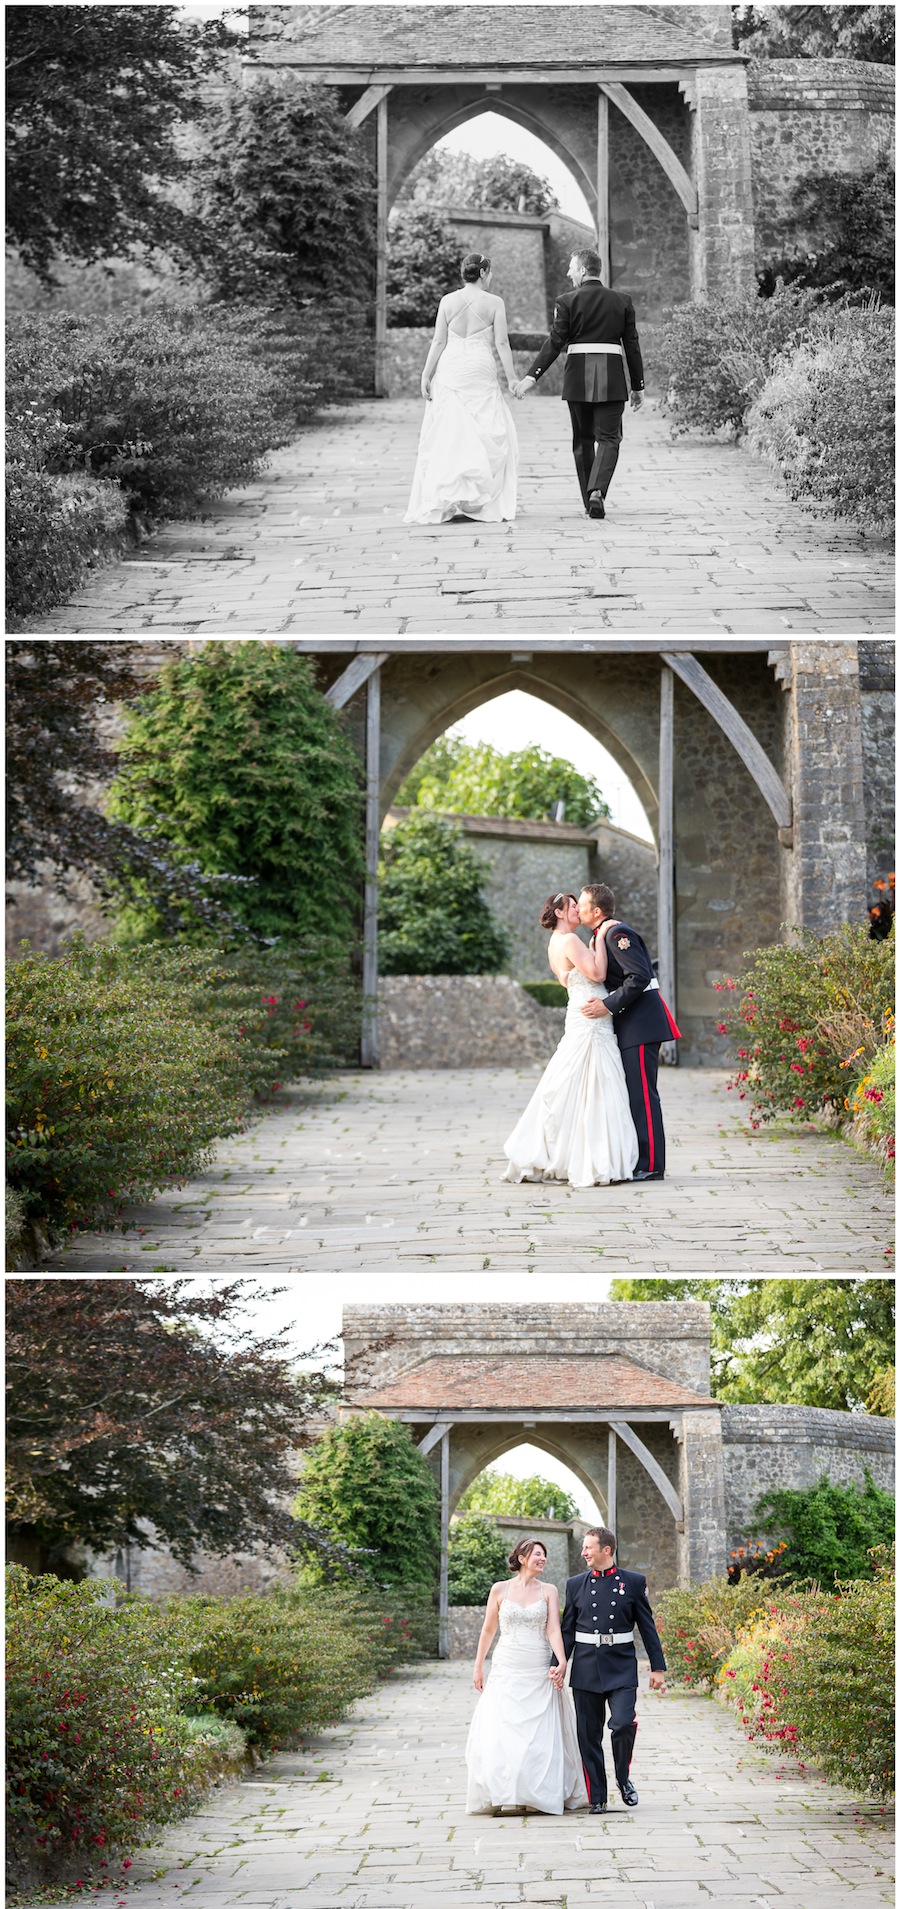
596 436
590 1715
641 1066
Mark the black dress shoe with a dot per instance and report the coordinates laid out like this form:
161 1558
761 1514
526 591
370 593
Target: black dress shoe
629 1793
596 506
643 1174
598 1809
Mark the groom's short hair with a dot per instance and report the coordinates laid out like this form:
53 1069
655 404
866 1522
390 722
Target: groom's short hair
601 896
605 1538
590 262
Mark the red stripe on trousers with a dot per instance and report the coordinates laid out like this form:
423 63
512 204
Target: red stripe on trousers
648 1109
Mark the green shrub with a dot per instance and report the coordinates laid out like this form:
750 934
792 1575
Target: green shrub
824 419
96 1748
56 528
548 994
717 355
115 1085
288 1663
366 1485
433 916
806 1016
873 1107
423 264
502 1495
700 1624
237 758
830 1529
477 1558
851 217
819 1680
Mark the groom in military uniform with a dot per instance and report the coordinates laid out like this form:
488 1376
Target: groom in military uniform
596 328
640 1018
603 1604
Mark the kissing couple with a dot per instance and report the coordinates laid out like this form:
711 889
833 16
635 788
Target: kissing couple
595 1116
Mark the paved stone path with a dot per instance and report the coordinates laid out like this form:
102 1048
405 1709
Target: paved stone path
372 1817
367 1171
700 539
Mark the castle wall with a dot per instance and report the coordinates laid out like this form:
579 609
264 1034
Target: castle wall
771 1447
811 116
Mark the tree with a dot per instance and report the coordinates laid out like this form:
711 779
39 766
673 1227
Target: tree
505 1496
236 755
59 695
497 183
141 1412
433 916
855 213
95 99
423 264
461 778
830 1529
285 196
789 1341
367 1486
812 33
477 1558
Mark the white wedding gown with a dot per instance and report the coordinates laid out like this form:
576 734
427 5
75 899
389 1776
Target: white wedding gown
577 1125
468 449
523 1744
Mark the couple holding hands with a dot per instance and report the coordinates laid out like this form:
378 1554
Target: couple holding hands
468 449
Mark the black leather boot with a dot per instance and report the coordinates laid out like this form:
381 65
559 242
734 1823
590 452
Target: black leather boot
622 1749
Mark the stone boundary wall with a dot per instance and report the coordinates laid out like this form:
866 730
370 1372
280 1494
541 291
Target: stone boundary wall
770 1447
811 116
463 1020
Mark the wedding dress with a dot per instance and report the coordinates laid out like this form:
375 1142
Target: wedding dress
523 1744
577 1125
468 449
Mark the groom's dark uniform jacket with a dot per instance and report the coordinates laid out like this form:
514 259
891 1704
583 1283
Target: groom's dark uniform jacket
608 1603
604 1604
593 315
641 1021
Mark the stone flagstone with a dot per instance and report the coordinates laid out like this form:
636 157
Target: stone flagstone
372 1816
700 539
373 1170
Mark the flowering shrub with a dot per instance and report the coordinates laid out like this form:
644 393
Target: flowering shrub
824 418
831 1528
699 1625
97 1749
817 1678
717 355
805 1016
291 1662
872 1108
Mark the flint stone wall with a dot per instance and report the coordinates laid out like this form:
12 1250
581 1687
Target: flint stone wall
463 1020
811 116
878 717
771 1447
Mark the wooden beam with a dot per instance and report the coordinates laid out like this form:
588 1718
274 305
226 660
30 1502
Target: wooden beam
356 673
444 1591
658 144
603 184
655 1471
371 98
368 1053
328 74
665 835
432 1438
611 1481
741 737
381 244
539 645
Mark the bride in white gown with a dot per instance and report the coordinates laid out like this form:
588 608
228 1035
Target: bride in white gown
577 1125
522 1750
468 449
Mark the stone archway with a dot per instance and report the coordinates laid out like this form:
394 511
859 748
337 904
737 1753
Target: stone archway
747 755
677 88
619 1392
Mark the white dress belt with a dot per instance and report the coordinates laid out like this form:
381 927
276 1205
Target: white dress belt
616 351
609 1637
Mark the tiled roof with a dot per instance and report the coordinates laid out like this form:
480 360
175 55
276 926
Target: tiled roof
486 36
469 1384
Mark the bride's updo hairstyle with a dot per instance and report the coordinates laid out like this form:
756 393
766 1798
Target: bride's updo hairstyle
523 1550
472 267
552 903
